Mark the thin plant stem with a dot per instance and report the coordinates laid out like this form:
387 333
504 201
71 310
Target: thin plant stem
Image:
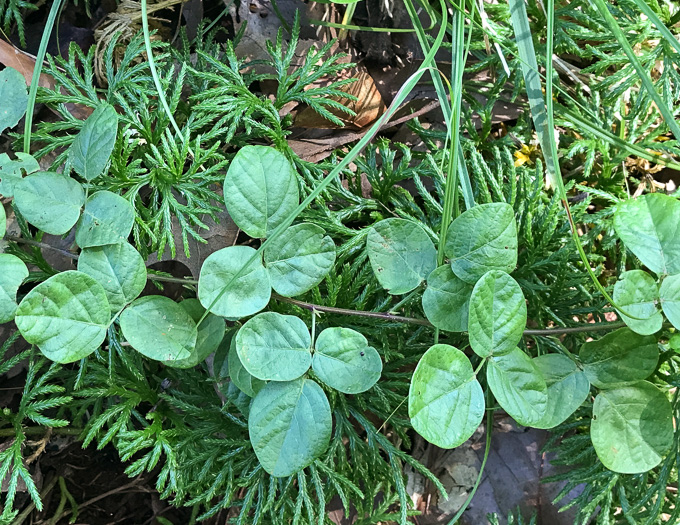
40 57
487 449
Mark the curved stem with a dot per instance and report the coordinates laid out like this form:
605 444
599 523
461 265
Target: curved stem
487 448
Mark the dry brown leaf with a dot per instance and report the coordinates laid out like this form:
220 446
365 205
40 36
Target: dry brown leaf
24 63
367 107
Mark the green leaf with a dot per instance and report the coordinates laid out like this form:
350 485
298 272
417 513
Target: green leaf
260 190
344 361
210 334
299 259
66 316
13 271
619 357
14 96
568 388
3 220
649 226
482 239
445 400
275 347
159 328
49 201
632 427
244 380
290 425
518 386
247 295
498 314
401 253
446 300
669 295
119 268
89 154
107 219
636 293
11 171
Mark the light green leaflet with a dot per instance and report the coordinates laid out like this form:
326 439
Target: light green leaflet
106 219
568 388
344 361
445 400
208 338
89 154
518 386
637 294
290 425
402 254
119 268
14 97
11 171
619 357
159 328
299 259
13 271
66 316
669 295
481 239
249 294
632 427
244 380
260 190
275 347
446 300
222 372
649 226
49 201
498 314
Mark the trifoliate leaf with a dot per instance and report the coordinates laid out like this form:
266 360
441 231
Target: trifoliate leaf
649 226
106 219
119 268
290 425
632 427
636 293
159 328
518 386
568 388
12 171
13 271
66 316
446 300
344 361
498 314
234 298
275 347
445 400
482 239
402 254
299 259
49 201
619 357
260 190
14 97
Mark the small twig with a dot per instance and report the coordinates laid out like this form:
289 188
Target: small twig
21 240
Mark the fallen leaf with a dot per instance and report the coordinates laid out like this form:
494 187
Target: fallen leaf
368 106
